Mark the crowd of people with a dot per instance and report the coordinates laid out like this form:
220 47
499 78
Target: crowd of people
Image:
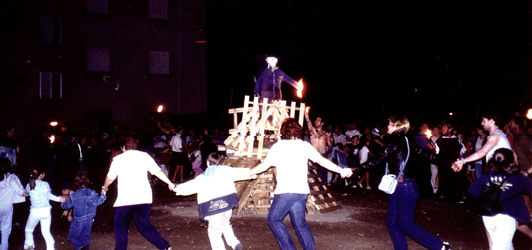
430 159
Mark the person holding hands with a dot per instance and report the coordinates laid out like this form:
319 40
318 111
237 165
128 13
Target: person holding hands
290 157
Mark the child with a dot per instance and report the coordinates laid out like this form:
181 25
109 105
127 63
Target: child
216 198
11 191
503 171
40 194
84 201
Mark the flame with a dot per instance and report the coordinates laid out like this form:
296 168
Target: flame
299 88
529 114
160 108
51 138
54 123
307 109
428 133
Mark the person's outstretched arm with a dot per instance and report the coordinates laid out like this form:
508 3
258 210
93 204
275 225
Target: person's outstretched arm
482 152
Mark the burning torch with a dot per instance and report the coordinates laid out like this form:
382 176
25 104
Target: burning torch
300 88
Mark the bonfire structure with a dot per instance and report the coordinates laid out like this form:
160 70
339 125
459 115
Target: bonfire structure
256 127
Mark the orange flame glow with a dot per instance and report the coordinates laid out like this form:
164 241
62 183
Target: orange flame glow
428 133
51 138
529 114
299 88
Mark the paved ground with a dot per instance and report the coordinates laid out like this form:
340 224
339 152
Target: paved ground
359 224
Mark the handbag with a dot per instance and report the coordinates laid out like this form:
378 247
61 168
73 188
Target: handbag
389 181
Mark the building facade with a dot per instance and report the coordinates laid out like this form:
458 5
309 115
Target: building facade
92 62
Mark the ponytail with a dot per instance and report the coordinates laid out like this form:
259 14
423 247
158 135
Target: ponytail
32 176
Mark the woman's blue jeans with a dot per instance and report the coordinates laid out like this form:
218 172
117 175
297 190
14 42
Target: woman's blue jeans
294 205
400 218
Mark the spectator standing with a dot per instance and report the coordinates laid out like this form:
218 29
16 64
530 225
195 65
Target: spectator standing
321 141
522 146
338 136
451 183
179 155
9 146
434 180
134 196
424 149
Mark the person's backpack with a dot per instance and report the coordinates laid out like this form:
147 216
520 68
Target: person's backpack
489 198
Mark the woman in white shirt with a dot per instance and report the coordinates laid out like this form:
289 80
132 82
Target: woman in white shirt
290 157
40 209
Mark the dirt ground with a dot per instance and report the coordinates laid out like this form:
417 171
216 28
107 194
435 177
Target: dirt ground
358 224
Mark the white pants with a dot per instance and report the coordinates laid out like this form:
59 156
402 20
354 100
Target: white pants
6 219
501 229
42 215
433 177
220 224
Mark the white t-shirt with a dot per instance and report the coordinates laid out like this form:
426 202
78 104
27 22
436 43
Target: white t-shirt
502 143
131 168
176 143
290 158
363 154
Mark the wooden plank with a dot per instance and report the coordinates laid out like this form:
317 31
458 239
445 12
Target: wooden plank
292 109
253 126
301 114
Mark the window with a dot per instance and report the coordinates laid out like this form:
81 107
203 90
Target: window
159 62
158 9
51 85
51 31
98 60
97 7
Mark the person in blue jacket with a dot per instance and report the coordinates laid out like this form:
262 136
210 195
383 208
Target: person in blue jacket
84 200
505 172
268 85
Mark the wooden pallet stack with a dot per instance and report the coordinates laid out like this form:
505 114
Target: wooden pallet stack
248 143
320 198
256 196
260 121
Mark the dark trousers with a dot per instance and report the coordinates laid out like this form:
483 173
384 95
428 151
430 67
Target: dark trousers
400 218
141 214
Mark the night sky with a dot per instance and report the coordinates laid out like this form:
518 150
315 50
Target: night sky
365 60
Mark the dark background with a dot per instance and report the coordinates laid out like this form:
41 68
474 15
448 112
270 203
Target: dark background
364 60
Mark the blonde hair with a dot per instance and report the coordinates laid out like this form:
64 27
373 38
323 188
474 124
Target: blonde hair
400 122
